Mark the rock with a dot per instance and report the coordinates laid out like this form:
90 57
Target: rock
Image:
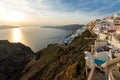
13 58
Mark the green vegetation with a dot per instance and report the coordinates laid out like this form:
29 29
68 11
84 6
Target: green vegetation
59 63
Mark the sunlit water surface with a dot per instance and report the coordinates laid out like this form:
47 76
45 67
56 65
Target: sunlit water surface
34 37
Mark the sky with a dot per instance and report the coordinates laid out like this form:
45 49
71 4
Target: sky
55 12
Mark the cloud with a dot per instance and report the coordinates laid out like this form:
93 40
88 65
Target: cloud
59 11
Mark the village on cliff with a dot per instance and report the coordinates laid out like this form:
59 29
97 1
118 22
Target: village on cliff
103 61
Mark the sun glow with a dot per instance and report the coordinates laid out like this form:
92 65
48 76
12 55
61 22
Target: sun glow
13 17
16 35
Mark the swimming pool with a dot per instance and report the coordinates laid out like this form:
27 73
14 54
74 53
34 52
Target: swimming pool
99 62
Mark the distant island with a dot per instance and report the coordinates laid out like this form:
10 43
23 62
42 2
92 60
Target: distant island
68 27
8 26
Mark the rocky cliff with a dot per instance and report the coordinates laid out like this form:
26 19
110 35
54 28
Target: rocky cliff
59 63
13 58
18 62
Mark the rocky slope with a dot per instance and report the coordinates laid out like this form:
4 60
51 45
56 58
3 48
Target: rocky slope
18 62
13 58
59 63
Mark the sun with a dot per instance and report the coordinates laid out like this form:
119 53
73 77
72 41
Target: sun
16 34
13 16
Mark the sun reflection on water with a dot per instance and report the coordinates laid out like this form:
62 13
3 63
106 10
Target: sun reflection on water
16 34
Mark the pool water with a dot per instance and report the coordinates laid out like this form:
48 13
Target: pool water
99 62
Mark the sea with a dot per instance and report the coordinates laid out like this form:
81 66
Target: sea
36 38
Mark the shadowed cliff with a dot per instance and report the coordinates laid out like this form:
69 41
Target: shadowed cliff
13 58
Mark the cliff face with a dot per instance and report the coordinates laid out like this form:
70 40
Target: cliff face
72 27
18 62
59 63
13 58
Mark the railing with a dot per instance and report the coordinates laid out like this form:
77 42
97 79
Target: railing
90 77
113 61
111 76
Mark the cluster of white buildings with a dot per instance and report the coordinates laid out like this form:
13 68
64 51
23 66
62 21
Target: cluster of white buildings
105 52
107 24
70 38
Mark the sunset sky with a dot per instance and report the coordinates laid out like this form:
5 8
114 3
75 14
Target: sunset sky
55 12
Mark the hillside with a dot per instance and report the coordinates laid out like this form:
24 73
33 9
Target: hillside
59 63
13 58
55 62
